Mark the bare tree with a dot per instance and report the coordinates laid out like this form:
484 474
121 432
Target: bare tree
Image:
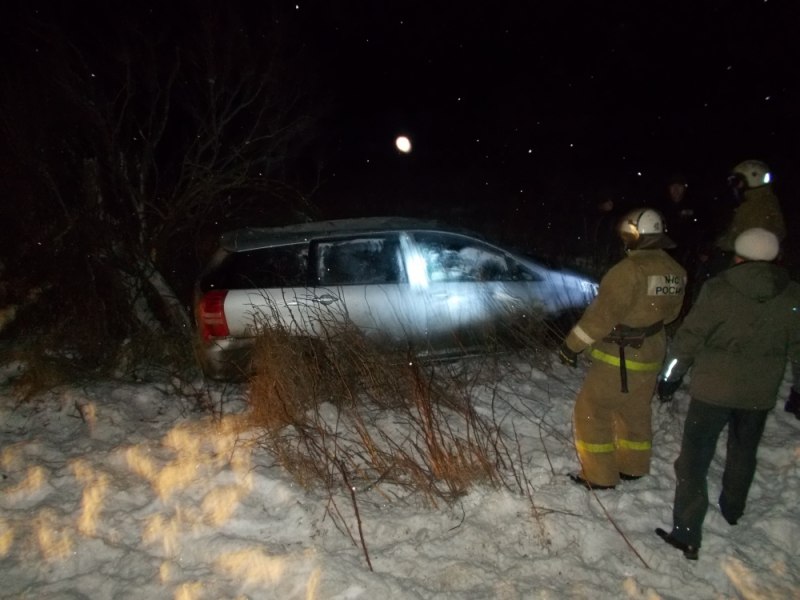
145 132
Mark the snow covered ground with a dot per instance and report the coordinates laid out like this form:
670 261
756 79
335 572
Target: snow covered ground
119 490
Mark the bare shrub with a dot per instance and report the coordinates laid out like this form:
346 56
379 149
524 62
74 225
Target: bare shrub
290 377
343 406
345 415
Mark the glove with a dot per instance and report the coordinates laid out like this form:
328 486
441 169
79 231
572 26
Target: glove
567 356
667 389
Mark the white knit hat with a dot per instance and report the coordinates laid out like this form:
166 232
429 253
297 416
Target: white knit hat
757 244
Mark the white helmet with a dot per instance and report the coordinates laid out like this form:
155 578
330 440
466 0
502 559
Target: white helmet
644 228
750 174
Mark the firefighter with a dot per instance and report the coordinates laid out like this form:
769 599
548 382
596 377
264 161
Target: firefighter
757 206
623 329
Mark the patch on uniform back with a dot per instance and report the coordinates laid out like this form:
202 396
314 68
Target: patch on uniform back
665 285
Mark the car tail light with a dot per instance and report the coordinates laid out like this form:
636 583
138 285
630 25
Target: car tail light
211 315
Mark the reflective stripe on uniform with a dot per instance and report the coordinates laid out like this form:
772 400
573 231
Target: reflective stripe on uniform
610 447
631 365
595 448
582 335
631 445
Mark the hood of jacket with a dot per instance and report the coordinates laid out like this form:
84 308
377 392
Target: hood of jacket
758 280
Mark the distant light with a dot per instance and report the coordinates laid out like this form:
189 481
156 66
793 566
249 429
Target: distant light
403 144
767 178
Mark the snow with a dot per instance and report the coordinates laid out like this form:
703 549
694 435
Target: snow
121 489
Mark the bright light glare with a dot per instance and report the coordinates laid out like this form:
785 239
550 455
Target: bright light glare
417 271
671 366
403 144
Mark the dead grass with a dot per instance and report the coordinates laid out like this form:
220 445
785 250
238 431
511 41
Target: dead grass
341 408
346 416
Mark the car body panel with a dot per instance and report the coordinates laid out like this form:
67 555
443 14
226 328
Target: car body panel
403 282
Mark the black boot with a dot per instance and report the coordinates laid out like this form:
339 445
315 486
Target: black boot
689 551
577 478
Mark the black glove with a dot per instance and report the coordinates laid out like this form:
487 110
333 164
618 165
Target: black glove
567 356
667 389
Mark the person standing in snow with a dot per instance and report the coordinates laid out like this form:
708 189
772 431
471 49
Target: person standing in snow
684 222
624 327
686 230
736 339
758 206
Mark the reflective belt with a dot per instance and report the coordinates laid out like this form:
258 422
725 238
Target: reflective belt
633 365
624 335
610 447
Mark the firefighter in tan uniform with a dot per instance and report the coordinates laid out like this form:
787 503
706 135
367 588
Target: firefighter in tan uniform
758 206
751 182
623 329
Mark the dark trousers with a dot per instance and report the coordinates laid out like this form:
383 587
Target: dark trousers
704 423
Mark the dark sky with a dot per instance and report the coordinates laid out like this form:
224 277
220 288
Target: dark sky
528 100
545 104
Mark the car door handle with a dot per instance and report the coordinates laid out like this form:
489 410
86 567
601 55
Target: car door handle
325 299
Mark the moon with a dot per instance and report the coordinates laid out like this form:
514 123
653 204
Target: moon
403 144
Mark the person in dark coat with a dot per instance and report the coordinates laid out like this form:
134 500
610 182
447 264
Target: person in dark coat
750 182
683 222
736 340
687 228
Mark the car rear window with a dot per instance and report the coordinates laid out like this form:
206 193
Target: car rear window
281 266
365 260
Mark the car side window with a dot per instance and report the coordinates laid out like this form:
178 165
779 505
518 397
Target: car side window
281 266
520 272
361 260
454 258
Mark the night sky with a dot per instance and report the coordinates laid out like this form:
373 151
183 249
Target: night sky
521 109
534 102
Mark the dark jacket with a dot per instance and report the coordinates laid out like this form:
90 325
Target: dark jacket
738 336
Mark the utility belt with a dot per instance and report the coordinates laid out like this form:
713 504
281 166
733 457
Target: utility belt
623 336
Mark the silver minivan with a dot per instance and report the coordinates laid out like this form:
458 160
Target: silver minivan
402 282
